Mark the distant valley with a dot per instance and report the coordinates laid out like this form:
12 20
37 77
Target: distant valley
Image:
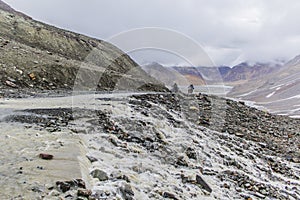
275 87
201 75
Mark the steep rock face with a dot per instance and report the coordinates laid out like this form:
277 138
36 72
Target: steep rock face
36 55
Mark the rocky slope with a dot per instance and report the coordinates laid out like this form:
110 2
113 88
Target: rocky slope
36 55
278 91
169 76
246 72
148 146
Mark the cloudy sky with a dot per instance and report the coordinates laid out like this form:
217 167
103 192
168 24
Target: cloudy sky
230 31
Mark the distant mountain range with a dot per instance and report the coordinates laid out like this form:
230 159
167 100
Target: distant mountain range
275 87
238 74
278 91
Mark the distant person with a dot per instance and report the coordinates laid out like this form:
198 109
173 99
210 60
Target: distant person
175 88
191 89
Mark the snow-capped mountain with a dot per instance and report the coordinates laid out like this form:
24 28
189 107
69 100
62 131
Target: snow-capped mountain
279 91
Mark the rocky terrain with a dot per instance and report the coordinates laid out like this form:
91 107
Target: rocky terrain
70 128
37 56
146 146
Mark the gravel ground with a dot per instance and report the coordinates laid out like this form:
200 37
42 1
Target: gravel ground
146 146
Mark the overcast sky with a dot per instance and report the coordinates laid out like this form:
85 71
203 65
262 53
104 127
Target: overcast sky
230 31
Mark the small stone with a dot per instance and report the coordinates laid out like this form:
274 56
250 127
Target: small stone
49 186
127 191
191 153
203 184
11 84
32 76
36 189
169 195
296 160
194 108
80 183
247 185
239 134
226 186
63 186
84 192
182 161
92 159
46 156
99 174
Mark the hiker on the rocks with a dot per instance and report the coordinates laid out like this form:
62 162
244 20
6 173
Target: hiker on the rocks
191 89
175 88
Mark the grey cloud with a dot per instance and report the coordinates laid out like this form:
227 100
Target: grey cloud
229 30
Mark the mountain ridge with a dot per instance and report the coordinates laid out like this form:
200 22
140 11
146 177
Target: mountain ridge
235 75
37 55
277 91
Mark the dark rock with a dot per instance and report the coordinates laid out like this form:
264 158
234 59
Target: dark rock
46 156
127 192
238 134
80 183
65 186
84 192
203 184
191 153
169 195
120 176
99 174
92 159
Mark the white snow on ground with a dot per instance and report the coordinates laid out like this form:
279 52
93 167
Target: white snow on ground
246 94
295 116
269 95
276 86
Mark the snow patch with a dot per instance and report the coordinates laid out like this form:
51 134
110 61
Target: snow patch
269 95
